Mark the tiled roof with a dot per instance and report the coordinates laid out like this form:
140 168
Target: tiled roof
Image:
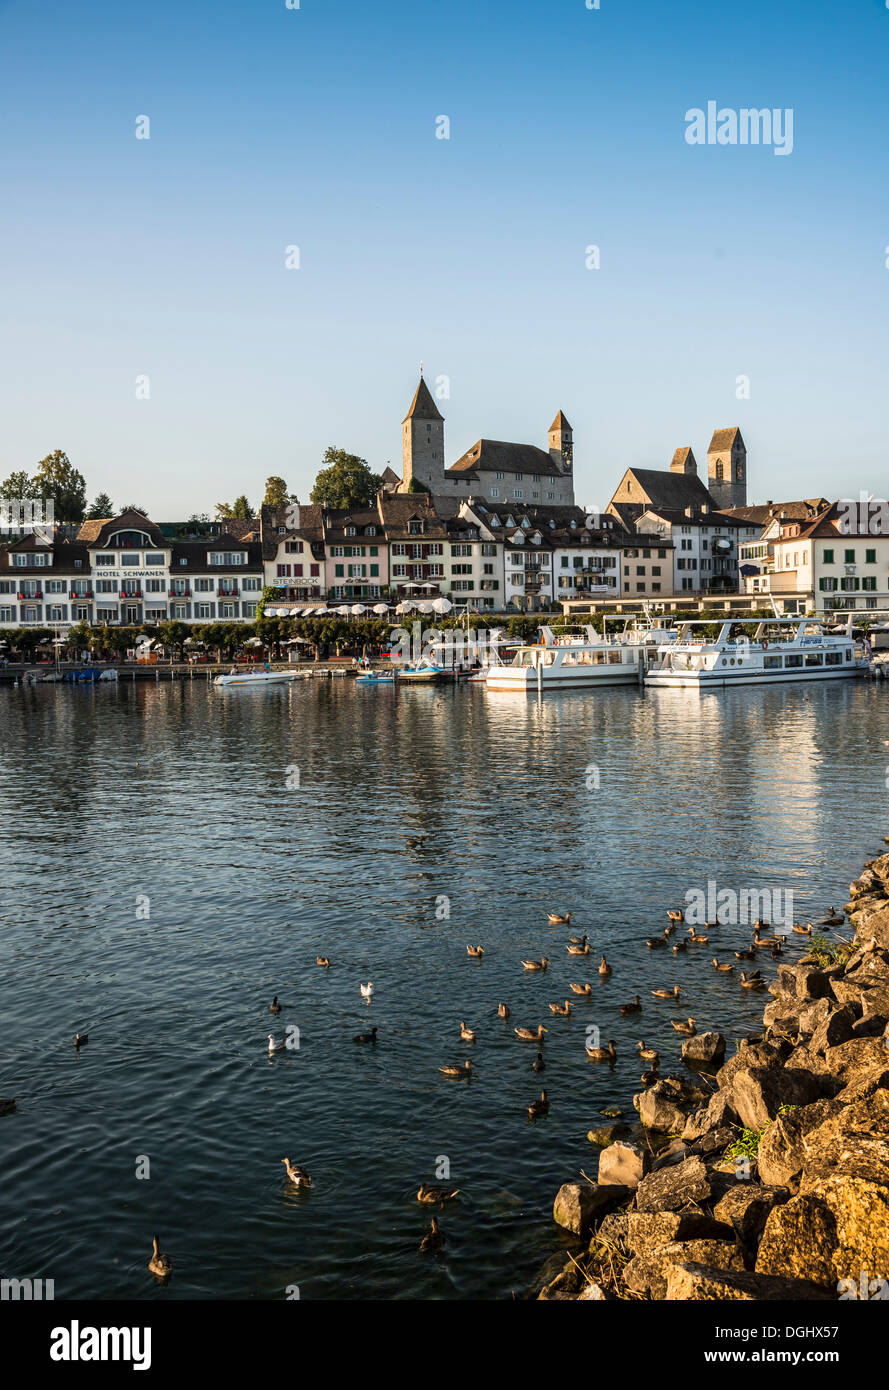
423 407
194 553
96 533
682 458
724 439
490 455
664 489
560 423
759 515
64 555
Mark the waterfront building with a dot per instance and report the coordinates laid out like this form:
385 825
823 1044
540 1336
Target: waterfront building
824 564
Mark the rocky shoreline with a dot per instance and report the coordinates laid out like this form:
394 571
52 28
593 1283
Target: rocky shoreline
762 1177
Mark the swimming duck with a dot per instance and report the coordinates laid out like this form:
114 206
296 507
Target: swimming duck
431 1195
673 993
634 1008
456 1070
531 1034
648 1054
751 981
555 919
582 989
536 964
466 1033
370 1037
680 946
698 937
323 960
503 1011
602 1054
563 1010
80 1039
274 1007
745 955
668 931
538 1064
674 914
475 951
648 1078
722 966
684 1027
160 1265
604 968
276 1044
297 1175
433 1240
538 1107
833 919
803 931
583 950
7 1105
367 990
578 940
654 941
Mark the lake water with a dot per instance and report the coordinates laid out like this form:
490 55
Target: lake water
185 796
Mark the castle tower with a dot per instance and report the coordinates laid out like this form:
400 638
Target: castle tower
422 442
683 461
727 468
561 443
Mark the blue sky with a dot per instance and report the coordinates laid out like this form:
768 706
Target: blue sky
316 127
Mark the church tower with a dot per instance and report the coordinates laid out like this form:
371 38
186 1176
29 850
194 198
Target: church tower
727 468
422 442
561 444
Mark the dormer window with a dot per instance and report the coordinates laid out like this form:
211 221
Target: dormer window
370 530
415 528
350 530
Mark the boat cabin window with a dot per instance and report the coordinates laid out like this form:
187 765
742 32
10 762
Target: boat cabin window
772 663
848 654
614 658
523 659
834 658
548 658
793 659
814 659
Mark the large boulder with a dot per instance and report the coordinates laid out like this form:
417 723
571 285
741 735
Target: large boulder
604 1135
612 1228
647 1274
670 1189
781 1019
659 1109
800 1239
835 1029
850 1060
650 1230
578 1204
761 1054
705 1049
804 982
759 1093
746 1206
690 1283
623 1164
782 1150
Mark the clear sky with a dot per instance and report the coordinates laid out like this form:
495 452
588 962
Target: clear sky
270 127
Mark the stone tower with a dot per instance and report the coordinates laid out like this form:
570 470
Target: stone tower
422 442
561 443
727 468
683 461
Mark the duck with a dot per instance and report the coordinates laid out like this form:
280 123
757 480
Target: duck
673 993
370 1037
648 1054
833 919
456 1070
414 841
531 1034
668 931
582 989
803 931
323 960
274 1007
652 942
633 1008
538 1064
7 1105
602 1054
80 1039
538 1107
536 964
604 967
563 1010
578 940
297 1175
697 937
276 1044
675 914
725 965
680 946
476 952
160 1265
503 1011
687 1026
556 920
466 1033
648 1078
579 950
435 1196
752 981
746 955
367 990
433 1239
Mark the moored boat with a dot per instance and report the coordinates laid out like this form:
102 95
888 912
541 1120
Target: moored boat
255 678
779 649
574 660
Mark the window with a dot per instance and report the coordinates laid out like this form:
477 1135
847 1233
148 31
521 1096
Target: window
849 557
130 559
461 569
870 557
350 530
793 660
106 586
869 581
834 658
370 530
294 547
828 557
283 571
153 558
772 663
655 588
226 610
249 610
339 571
640 569
814 659
655 569
156 586
495 492
228 558
461 549
203 610
489 549
54 586
250 582
518 492
7 615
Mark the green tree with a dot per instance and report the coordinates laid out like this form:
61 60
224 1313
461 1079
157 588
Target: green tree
276 494
101 508
416 486
345 481
57 479
17 485
173 634
240 509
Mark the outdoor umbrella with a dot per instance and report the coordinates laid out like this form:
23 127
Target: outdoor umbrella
345 610
405 607
425 606
358 608
442 605
380 608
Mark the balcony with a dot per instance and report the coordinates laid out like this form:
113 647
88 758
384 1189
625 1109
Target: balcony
30 598
179 593
227 593
130 595
84 598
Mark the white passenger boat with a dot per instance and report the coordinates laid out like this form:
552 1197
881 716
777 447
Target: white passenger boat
779 649
576 659
264 677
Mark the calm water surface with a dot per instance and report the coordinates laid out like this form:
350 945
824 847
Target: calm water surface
179 793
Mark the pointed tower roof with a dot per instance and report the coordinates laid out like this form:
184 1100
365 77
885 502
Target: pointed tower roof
724 439
560 423
423 407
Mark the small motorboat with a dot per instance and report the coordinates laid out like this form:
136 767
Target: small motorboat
376 678
264 677
424 672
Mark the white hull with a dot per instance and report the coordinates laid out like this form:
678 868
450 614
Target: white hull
256 678
715 680
510 678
